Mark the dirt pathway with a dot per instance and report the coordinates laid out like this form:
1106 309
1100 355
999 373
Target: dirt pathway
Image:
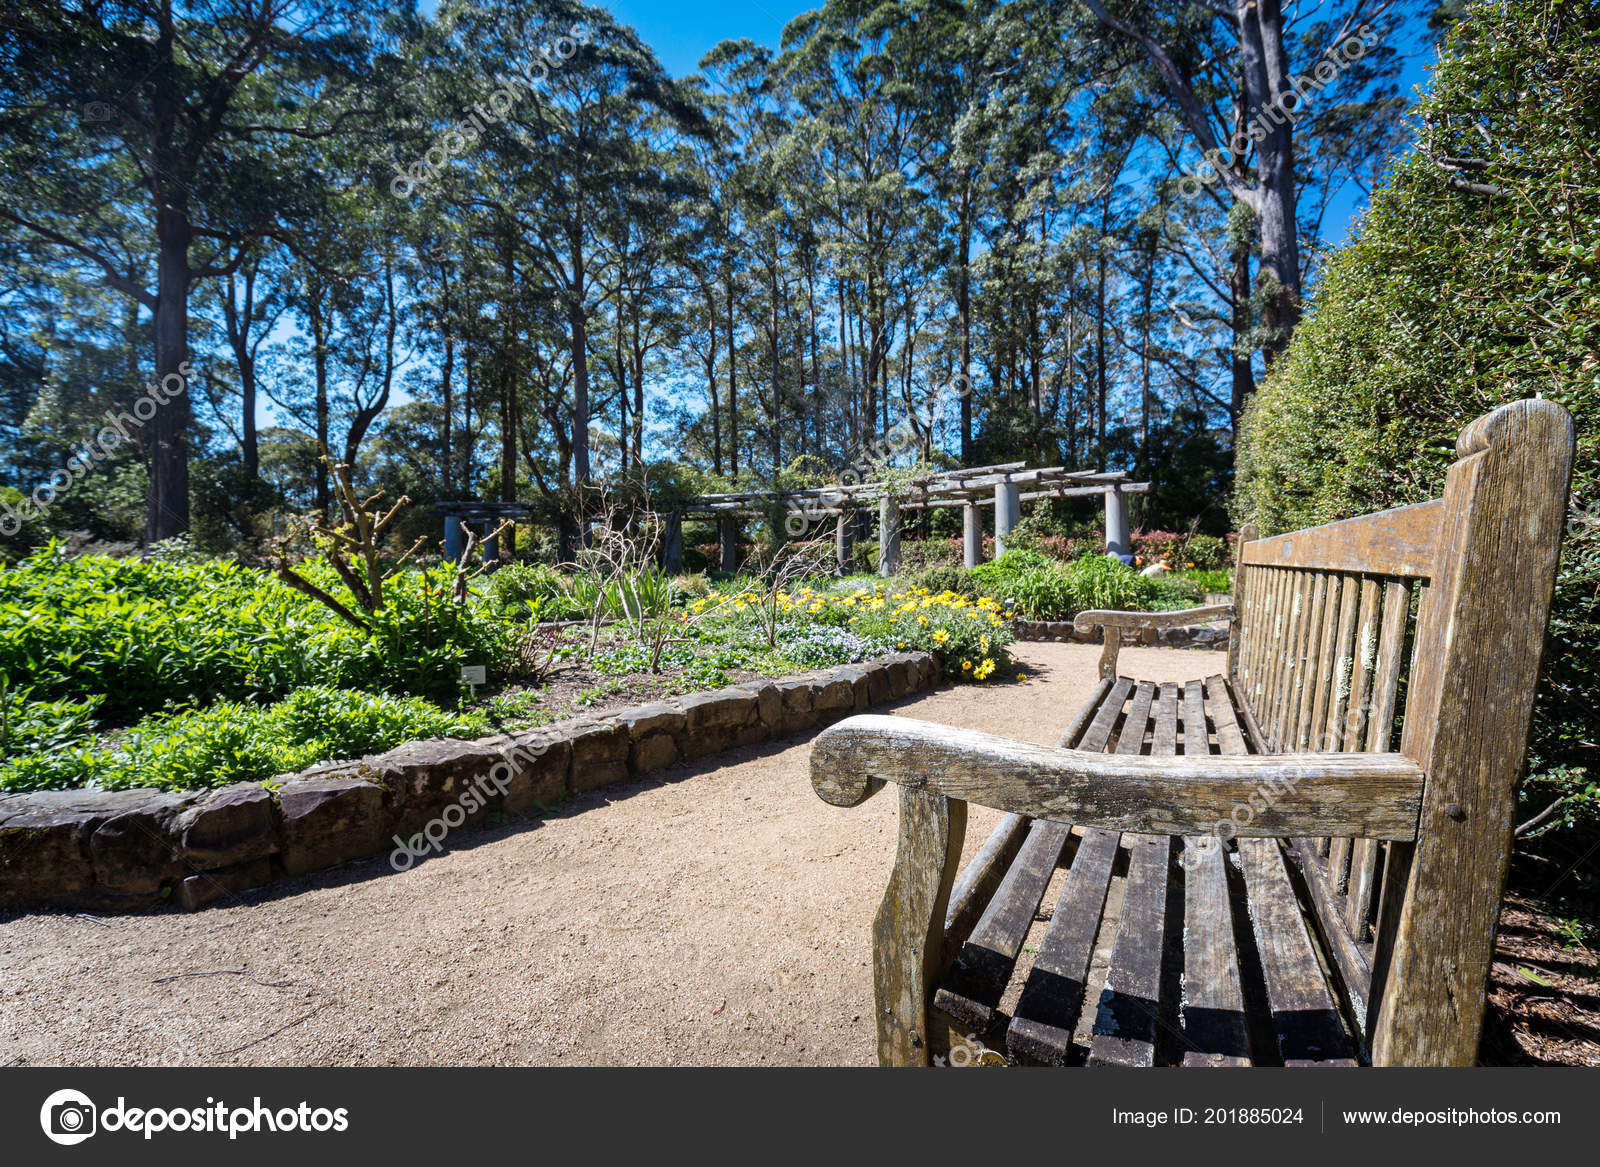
715 914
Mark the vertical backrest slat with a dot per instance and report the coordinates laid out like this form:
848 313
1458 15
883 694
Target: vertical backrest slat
1273 630
1286 664
1386 674
1269 633
1305 698
1333 683
1343 665
1363 666
1246 584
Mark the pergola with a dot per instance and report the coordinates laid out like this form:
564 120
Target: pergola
1005 487
487 516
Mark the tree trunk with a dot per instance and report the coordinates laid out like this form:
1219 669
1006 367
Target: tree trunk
733 389
964 318
447 445
711 381
1100 361
1244 381
580 360
168 512
1266 72
316 294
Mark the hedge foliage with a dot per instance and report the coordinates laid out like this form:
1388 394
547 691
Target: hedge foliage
1470 282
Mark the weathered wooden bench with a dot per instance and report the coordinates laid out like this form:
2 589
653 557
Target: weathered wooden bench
1246 871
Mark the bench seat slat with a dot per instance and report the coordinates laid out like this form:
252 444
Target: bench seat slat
1212 1010
977 979
1305 1015
1053 997
1128 1018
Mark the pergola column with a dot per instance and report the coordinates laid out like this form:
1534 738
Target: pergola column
844 539
452 538
1007 510
1116 522
972 534
672 544
888 536
728 529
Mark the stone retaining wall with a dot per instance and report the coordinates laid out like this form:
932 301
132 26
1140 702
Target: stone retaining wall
130 850
1212 636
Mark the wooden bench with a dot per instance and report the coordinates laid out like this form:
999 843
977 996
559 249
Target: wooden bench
1245 870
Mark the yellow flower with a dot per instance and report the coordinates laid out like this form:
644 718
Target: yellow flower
966 665
1022 676
940 636
923 620
983 643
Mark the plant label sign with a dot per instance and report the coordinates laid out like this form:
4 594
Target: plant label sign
473 674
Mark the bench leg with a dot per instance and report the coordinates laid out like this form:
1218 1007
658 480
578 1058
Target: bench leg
1111 643
908 933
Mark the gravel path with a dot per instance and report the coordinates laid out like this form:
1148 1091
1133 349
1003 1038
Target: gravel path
717 913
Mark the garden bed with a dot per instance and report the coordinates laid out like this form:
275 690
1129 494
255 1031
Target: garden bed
135 849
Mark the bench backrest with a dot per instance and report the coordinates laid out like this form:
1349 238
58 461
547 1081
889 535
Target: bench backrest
1420 627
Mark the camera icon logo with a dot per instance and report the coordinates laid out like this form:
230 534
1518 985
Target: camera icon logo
68 1117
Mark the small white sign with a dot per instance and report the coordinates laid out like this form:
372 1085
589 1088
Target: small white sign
473 674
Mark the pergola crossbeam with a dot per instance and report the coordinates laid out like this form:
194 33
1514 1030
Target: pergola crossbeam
999 486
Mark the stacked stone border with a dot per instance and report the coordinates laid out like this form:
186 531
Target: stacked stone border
131 850
1211 636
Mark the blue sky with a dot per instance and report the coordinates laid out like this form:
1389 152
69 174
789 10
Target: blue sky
682 33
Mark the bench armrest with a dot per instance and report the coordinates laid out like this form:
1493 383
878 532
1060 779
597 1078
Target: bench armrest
1372 796
1115 622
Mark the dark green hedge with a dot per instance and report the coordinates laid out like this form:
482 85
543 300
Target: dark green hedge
1470 282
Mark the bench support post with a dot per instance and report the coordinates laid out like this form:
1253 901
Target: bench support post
908 932
1480 636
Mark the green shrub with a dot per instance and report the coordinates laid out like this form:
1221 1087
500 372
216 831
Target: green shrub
528 591
28 726
1450 301
1219 582
1174 591
1042 593
1040 588
148 635
921 554
1099 581
1204 553
239 742
1013 562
